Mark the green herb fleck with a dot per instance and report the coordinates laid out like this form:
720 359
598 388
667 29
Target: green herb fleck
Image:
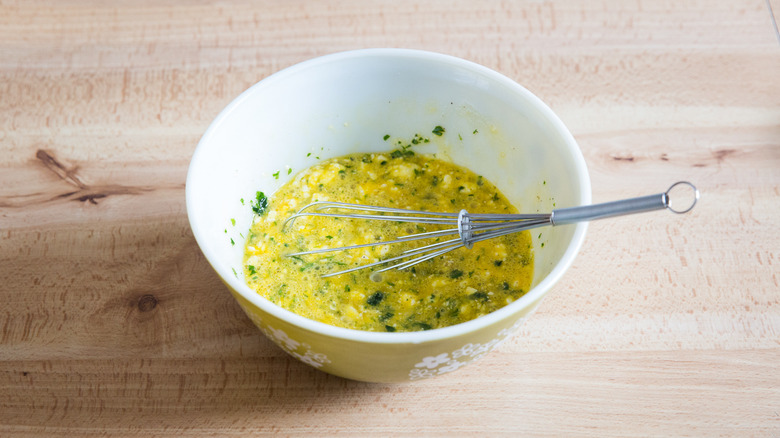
242 201
498 262
475 132
276 175
389 328
252 270
233 221
328 237
438 130
386 137
309 154
232 242
456 273
289 171
375 298
260 204
479 296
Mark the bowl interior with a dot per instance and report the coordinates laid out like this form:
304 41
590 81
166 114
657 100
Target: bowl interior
347 103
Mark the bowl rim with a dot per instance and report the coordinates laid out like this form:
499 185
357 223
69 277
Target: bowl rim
419 337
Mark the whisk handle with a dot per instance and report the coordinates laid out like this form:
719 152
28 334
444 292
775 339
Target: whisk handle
586 213
626 206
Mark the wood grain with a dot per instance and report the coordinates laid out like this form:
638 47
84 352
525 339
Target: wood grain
112 322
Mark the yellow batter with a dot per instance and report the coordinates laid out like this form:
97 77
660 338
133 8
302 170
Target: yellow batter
459 286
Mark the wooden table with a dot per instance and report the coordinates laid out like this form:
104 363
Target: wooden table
112 322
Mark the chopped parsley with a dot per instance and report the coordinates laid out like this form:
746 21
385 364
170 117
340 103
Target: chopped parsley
438 130
386 137
482 296
375 298
423 325
260 204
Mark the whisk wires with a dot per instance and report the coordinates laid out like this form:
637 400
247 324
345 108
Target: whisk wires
470 228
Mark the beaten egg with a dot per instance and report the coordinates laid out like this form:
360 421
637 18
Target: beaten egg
456 287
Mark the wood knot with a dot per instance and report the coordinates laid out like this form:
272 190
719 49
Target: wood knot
147 303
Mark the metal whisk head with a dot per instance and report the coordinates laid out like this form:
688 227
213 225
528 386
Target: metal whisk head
471 228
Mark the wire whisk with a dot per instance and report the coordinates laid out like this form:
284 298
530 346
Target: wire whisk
470 227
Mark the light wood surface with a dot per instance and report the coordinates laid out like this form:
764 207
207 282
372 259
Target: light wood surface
112 322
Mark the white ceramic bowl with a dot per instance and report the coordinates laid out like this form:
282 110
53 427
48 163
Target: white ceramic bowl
345 103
